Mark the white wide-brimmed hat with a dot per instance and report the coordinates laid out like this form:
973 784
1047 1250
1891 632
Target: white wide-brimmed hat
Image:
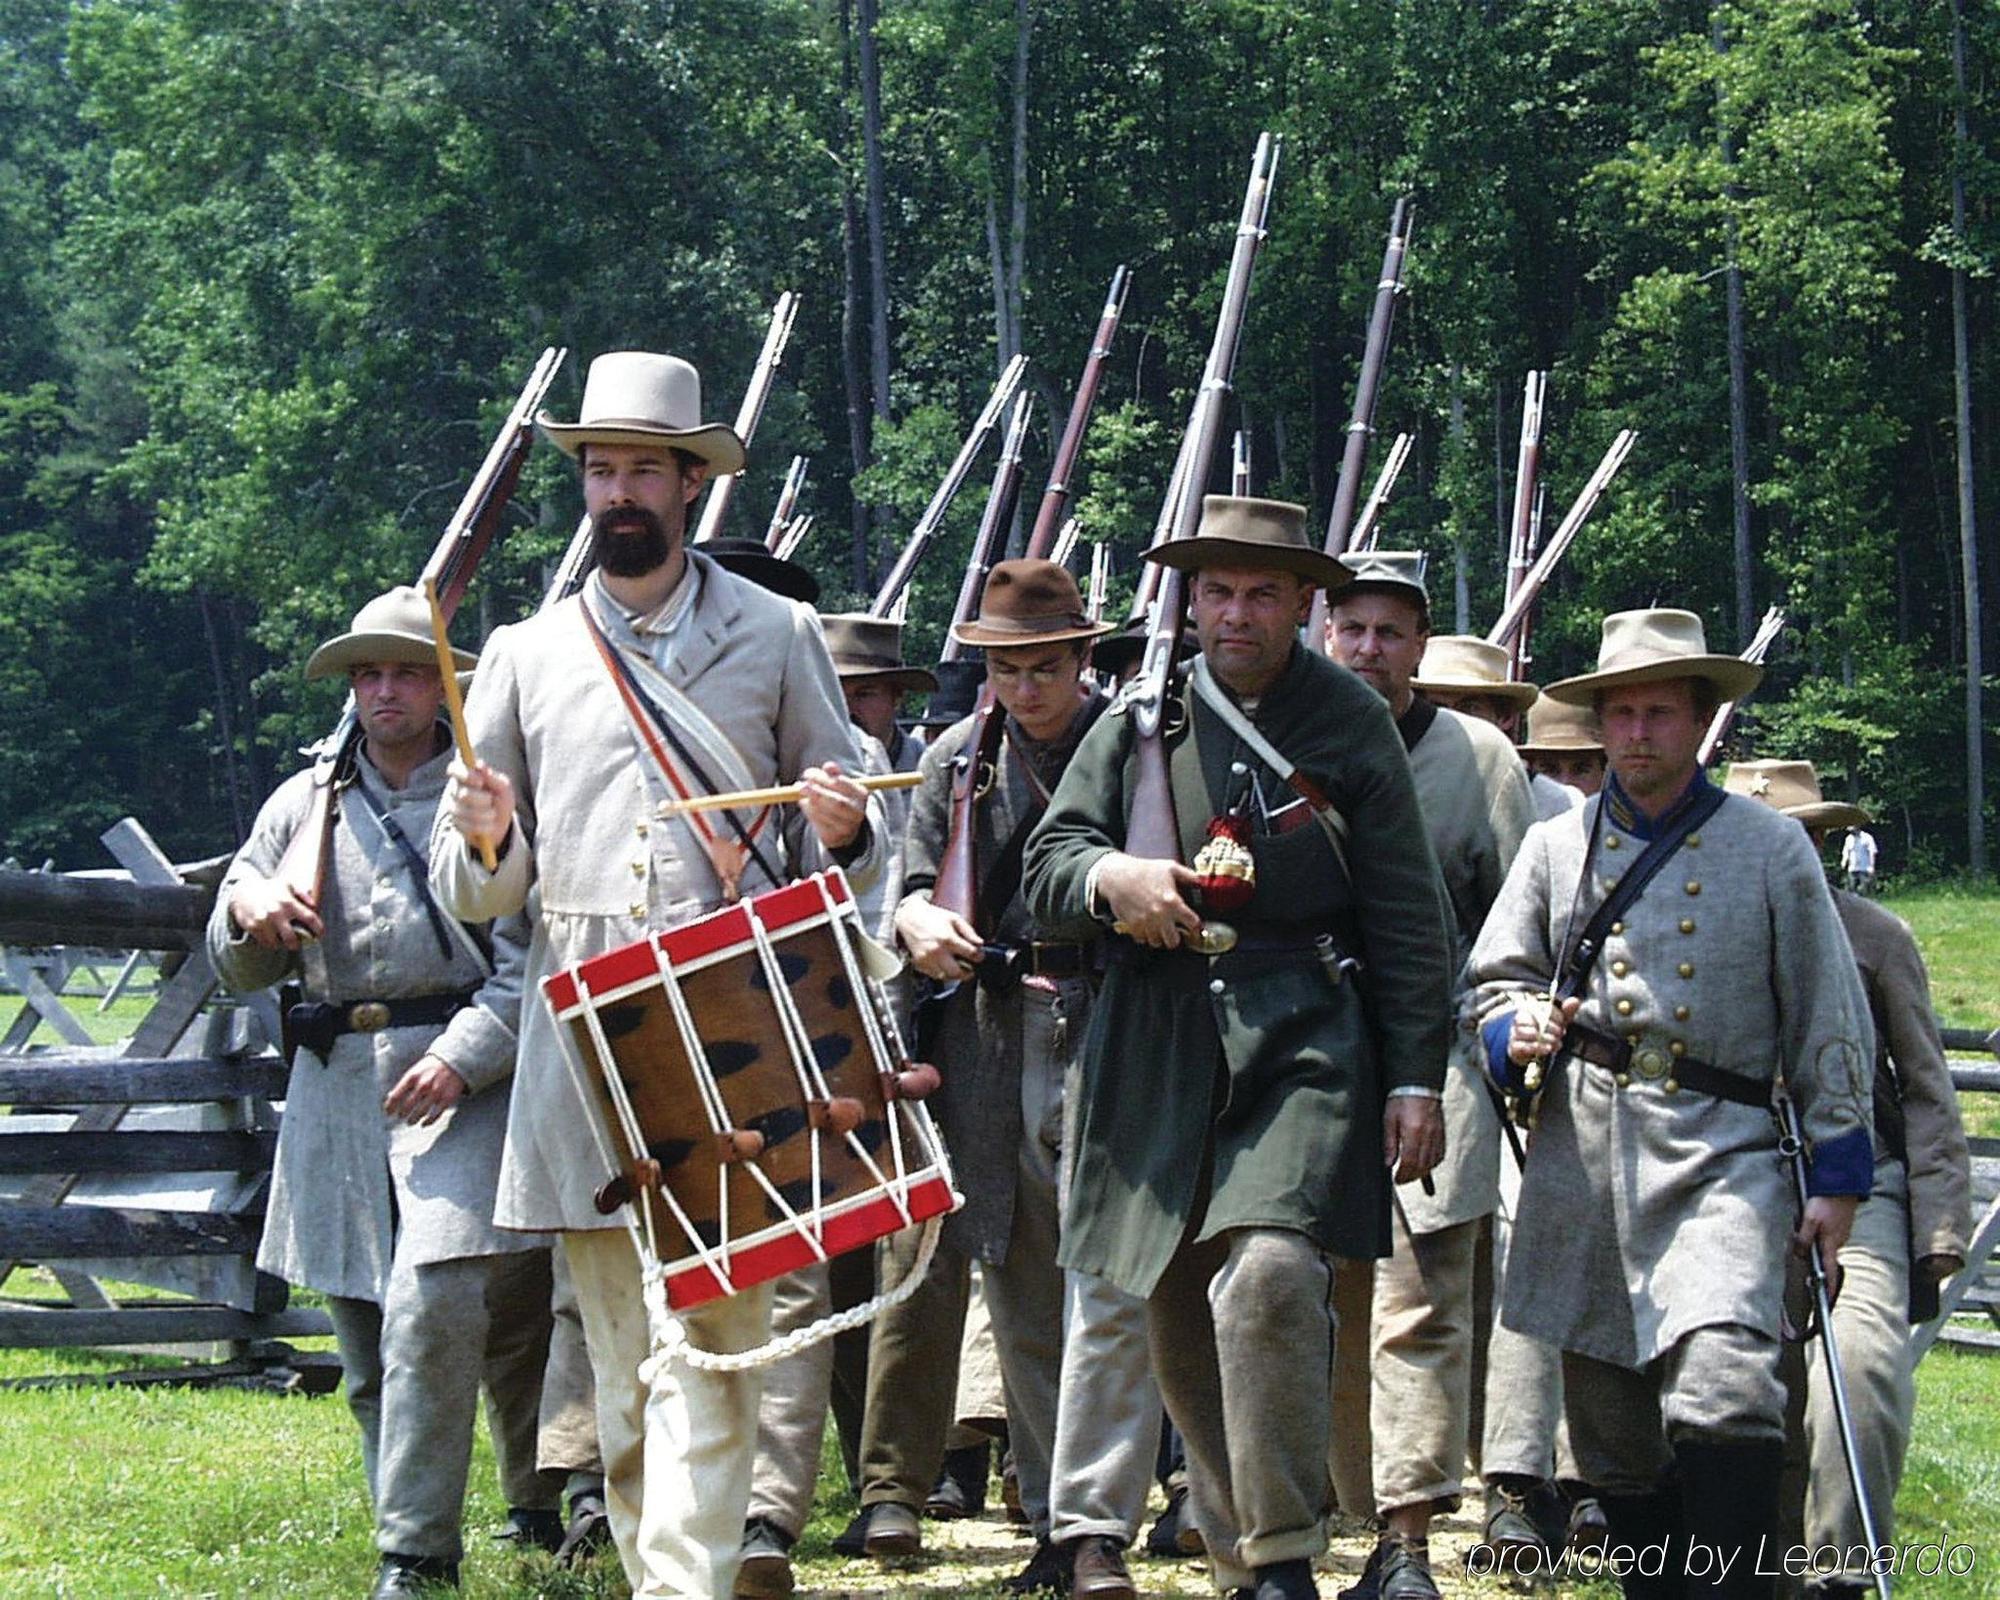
1652 647
392 627
1461 663
1793 788
637 397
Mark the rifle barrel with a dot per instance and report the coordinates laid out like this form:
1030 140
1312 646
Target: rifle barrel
1559 541
1056 494
994 521
954 479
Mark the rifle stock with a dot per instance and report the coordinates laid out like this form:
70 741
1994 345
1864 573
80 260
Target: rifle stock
1151 829
788 500
450 567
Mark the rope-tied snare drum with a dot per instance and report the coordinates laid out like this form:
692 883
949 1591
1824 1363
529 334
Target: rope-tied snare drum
763 1113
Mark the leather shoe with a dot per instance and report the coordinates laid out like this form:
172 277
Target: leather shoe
413 1575
961 1485
1406 1569
1047 1571
1513 1545
1286 1580
1174 1533
1097 1569
893 1530
532 1529
764 1567
1369 1585
589 1530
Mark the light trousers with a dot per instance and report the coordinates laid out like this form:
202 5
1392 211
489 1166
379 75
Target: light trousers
1420 1401
677 1453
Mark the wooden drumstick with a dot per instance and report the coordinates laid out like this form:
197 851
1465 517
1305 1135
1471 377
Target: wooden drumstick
455 704
784 794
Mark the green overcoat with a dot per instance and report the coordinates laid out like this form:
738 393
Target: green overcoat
1247 1089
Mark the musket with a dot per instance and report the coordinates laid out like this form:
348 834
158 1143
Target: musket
1100 581
957 886
581 555
1151 829
449 570
1520 532
1792 1150
1725 714
794 536
1368 526
788 501
1361 424
1524 641
1239 464
1065 545
954 479
1169 518
723 489
1056 495
1531 586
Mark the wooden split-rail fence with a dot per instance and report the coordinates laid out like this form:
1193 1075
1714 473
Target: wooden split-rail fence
146 1163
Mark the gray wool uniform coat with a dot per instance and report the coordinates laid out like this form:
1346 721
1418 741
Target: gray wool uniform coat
590 858
1646 1214
978 1049
349 1179
1473 792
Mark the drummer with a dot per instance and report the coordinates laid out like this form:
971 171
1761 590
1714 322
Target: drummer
735 690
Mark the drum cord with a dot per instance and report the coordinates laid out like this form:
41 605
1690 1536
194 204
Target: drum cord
671 1342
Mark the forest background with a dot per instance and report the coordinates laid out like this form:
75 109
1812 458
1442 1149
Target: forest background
271 272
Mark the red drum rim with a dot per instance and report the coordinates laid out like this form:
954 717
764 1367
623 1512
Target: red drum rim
714 937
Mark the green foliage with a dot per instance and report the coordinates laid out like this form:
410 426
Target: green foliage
269 277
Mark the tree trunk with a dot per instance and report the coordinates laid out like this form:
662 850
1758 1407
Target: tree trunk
878 254
1968 535
1017 221
1739 392
1461 590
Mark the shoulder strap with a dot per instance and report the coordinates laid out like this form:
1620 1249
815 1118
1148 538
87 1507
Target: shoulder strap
443 924
1583 954
656 733
1329 819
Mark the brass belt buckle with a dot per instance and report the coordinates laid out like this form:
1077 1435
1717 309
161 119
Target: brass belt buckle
369 1016
1649 1063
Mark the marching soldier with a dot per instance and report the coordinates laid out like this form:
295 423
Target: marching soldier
1473 793
1244 1113
577 718
1467 675
1909 1235
1561 745
382 1192
1655 961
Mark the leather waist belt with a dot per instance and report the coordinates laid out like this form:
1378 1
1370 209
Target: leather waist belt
315 1024
1001 964
1626 1061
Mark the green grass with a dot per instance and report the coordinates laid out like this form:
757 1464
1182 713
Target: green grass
112 1493
1955 928
113 1026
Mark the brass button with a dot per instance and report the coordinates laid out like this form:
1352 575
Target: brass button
642 827
1216 986
1671 1086
1624 1008
1693 887
1682 1013
1694 841
1687 924
1620 968
1617 927
638 908
639 868
1624 1080
1631 1038
1686 969
1649 1064
1677 1048
1611 842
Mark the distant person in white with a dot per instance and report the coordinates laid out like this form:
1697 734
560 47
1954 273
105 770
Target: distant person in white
1857 860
